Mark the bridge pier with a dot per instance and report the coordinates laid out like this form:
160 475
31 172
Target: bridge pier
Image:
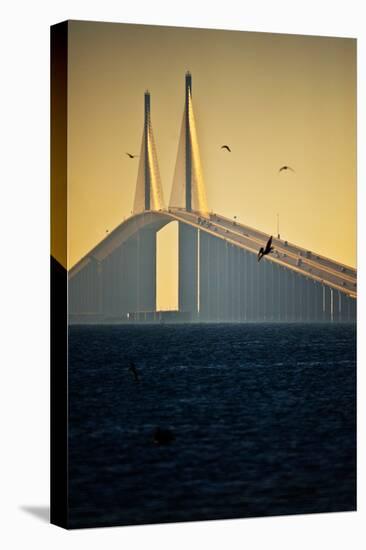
251 263
119 290
137 280
146 270
123 282
291 297
204 275
352 310
236 285
188 268
223 281
228 289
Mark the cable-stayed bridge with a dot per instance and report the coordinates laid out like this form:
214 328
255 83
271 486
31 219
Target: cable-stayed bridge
219 276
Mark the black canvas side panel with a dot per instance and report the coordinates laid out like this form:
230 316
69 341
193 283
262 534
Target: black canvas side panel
59 414
59 409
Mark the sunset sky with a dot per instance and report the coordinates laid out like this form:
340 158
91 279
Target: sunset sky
275 99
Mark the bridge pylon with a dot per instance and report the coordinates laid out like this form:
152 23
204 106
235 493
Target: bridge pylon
149 192
188 189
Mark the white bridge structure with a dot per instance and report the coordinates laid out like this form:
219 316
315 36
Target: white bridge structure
219 277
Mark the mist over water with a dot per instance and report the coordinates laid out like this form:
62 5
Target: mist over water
263 416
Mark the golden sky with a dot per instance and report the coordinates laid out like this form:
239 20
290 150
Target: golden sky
275 99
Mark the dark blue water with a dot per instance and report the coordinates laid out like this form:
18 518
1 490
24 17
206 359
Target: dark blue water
264 419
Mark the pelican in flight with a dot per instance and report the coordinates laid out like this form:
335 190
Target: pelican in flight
267 250
131 156
286 168
226 147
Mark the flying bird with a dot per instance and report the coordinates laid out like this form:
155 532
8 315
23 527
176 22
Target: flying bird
286 168
267 250
131 156
226 147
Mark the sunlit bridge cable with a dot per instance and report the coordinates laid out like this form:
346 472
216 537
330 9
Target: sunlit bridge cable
201 205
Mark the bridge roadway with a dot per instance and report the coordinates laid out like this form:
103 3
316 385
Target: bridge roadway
305 262
300 260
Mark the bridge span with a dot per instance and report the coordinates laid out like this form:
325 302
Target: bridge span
289 255
219 279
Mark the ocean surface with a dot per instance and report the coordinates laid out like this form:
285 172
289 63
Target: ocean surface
264 418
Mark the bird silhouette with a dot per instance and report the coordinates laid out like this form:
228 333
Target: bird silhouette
286 168
131 156
226 147
267 250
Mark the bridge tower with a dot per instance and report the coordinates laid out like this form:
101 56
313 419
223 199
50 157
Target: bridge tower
189 194
149 192
188 144
141 250
147 171
188 189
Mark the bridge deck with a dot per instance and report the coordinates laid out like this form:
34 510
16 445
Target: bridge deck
309 264
295 258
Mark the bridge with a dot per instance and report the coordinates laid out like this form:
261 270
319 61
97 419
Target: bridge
219 277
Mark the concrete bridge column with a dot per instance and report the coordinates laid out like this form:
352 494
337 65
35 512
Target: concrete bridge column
204 274
188 268
99 269
222 275
353 309
251 266
129 275
146 270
